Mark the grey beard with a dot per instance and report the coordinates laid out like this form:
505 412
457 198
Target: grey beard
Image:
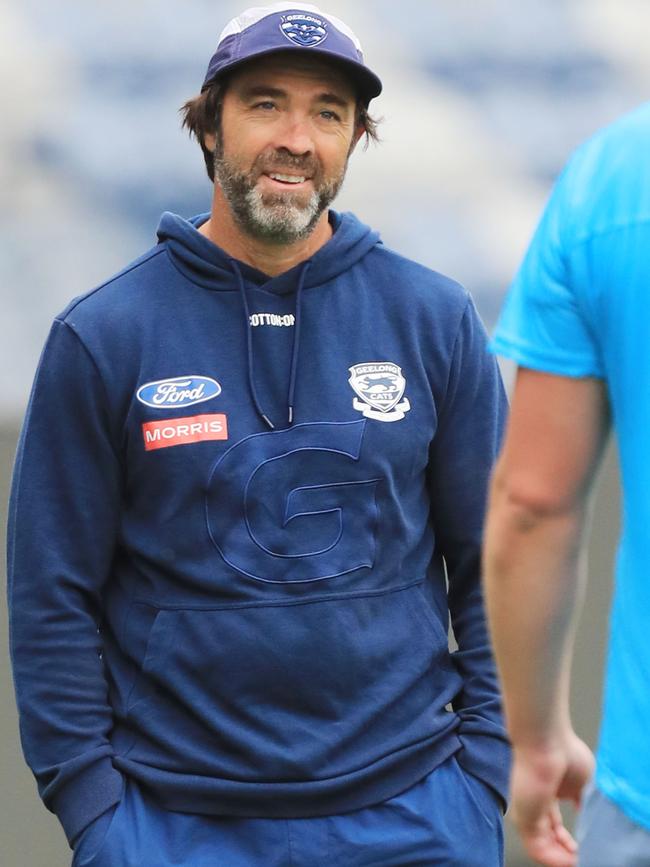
279 219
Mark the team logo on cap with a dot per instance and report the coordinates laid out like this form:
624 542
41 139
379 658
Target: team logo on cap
303 29
380 385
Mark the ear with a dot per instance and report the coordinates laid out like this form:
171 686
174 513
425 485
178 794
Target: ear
359 131
210 141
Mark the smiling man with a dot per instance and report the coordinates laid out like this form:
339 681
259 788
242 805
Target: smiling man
274 173
274 194
248 500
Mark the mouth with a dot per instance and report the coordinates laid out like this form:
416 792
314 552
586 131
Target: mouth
286 180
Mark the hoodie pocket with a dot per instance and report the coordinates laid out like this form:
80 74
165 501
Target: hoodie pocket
290 691
150 628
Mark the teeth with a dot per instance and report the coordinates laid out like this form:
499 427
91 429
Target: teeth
288 179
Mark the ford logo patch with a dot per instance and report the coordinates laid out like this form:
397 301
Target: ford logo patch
178 392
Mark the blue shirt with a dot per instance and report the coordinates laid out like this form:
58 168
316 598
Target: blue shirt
580 306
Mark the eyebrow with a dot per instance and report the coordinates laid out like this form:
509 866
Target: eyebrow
333 99
254 90
258 90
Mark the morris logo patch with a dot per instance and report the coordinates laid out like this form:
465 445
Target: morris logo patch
380 385
178 392
304 29
182 431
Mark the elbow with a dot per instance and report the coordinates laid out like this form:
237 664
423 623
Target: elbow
525 501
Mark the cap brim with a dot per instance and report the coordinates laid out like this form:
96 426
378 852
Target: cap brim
367 84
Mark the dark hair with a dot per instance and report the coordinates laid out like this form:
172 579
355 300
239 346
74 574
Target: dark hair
202 116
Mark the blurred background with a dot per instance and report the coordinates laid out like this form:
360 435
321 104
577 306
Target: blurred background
483 103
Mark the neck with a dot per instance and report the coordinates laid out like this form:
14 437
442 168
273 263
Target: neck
271 259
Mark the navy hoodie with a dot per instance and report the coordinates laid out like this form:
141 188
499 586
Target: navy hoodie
243 510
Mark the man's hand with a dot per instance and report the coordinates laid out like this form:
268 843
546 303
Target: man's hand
540 779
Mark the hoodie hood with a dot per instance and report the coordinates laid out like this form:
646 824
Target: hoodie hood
209 266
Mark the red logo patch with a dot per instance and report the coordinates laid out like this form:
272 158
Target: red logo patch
180 431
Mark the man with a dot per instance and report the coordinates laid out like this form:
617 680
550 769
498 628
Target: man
248 458
575 322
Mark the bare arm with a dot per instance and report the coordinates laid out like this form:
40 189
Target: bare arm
537 516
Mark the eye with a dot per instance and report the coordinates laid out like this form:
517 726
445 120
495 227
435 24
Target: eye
265 105
328 114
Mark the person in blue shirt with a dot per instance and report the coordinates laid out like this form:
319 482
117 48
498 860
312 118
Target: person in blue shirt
248 499
576 323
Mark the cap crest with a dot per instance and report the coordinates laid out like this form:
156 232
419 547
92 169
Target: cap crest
304 30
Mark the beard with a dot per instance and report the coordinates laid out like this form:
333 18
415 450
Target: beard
278 218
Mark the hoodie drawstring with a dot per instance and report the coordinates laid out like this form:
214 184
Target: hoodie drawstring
296 342
249 345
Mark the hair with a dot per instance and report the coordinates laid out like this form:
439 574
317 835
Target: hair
201 116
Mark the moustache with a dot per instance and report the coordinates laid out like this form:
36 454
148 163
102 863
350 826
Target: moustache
281 161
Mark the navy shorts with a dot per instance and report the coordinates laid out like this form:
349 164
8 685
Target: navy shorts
449 817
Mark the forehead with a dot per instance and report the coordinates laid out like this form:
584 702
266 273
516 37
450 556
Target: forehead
295 72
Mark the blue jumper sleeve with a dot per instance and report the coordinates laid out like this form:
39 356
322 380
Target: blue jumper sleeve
63 523
465 446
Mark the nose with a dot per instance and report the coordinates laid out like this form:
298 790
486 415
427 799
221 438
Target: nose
295 136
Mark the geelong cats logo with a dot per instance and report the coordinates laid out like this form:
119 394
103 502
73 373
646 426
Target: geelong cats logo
380 386
303 29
